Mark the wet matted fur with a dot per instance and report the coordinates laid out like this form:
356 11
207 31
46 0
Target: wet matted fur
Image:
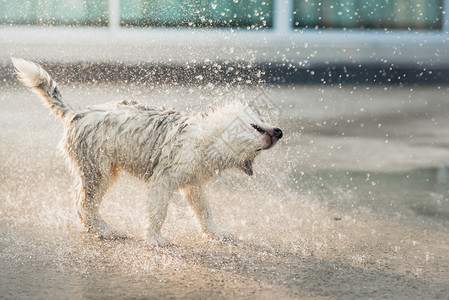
167 149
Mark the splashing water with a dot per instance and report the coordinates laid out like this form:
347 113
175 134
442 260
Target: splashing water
332 203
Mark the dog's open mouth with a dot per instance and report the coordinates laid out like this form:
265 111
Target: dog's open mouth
273 141
274 135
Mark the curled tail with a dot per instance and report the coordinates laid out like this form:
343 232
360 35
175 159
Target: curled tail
39 81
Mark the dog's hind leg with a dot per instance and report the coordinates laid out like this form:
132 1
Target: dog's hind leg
160 193
194 195
90 192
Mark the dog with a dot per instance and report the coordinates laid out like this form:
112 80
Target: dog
169 150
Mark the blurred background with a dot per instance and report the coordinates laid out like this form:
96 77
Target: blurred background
352 203
352 41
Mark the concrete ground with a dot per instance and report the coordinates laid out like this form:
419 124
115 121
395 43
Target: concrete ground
352 203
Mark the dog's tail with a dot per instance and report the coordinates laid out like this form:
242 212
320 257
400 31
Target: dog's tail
39 81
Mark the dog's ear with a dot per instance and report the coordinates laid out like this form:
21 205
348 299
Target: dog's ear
247 167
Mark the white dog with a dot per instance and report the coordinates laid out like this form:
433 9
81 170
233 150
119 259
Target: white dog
169 150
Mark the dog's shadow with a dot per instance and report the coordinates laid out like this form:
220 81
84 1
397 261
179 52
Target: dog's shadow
292 271
300 273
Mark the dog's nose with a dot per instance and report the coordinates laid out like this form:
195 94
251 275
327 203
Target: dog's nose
277 133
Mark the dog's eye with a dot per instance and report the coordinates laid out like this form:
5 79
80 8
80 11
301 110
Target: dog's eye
258 128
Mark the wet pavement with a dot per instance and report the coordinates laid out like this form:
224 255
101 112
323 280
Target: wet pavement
352 203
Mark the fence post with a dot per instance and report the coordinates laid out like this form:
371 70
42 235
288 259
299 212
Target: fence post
282 18
114 15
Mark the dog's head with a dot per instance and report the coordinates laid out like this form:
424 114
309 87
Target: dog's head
240 133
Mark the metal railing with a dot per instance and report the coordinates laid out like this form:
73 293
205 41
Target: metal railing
282 42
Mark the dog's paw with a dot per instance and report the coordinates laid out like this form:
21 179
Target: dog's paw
111 234
220 234
157 240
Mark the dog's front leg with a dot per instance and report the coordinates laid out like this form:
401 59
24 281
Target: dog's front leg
160 194
194 195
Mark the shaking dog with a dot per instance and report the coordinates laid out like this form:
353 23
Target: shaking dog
169 150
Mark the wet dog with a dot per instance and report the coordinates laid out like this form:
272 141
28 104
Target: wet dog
167 149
